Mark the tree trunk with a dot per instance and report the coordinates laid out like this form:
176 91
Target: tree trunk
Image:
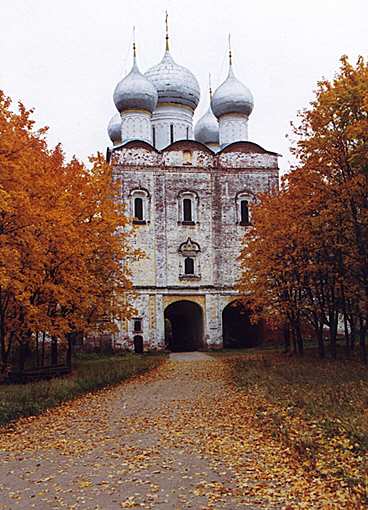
69 352
300 340
353 333
333 334
362 335
54 351
37 350
347 336
293 336
286 338
321 340
43 349
22 348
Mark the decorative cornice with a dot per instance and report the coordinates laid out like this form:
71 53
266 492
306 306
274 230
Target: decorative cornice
195 170
176 105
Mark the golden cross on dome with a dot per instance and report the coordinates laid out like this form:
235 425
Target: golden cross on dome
167 30
134 45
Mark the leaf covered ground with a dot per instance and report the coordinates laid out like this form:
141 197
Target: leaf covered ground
90 372
186 435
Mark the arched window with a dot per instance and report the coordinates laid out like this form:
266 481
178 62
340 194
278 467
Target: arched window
138 209
189 260
243 205
188 203
244 212
189 266
187 133
187 210
140 206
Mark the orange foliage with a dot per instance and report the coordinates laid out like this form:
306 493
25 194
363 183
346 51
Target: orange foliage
306 258
62 238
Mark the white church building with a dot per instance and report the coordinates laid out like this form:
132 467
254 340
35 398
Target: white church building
189 193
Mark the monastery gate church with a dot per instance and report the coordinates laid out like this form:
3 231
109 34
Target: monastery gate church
189 193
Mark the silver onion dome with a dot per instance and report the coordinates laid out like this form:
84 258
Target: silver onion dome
232 97
174 83
135 92
114 129
207 129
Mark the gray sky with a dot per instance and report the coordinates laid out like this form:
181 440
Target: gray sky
64 57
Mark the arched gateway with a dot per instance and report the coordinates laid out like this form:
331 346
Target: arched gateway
184 326
237 329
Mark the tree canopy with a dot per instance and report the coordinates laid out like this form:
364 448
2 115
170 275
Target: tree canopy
64 246
305 260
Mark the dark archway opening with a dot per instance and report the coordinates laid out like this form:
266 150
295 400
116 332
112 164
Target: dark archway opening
237 329
138 344
183 326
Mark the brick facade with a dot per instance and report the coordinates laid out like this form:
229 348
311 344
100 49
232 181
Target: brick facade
214 184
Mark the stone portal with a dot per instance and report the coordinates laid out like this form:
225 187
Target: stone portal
237 329
184 326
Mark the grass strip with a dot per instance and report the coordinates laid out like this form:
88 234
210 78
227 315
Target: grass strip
90 372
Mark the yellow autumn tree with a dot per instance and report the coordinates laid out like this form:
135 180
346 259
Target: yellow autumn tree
64 246
305 260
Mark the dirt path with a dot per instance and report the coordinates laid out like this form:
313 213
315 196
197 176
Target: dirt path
176 438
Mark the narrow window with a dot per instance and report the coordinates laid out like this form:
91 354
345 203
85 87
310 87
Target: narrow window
187 210
138 209
187 133
137 325
189 266
154 136
244 212
171 133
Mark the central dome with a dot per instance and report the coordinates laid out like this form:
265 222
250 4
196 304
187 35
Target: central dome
174 83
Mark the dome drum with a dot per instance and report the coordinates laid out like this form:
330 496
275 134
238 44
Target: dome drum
136 125
233 128
171 122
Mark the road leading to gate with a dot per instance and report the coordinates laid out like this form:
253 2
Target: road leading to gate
179 437
190 356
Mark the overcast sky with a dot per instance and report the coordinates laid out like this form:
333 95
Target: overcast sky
64 57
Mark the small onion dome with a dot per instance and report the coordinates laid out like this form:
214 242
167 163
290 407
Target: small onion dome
206 130
174 83
114 129
135 92
232 97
